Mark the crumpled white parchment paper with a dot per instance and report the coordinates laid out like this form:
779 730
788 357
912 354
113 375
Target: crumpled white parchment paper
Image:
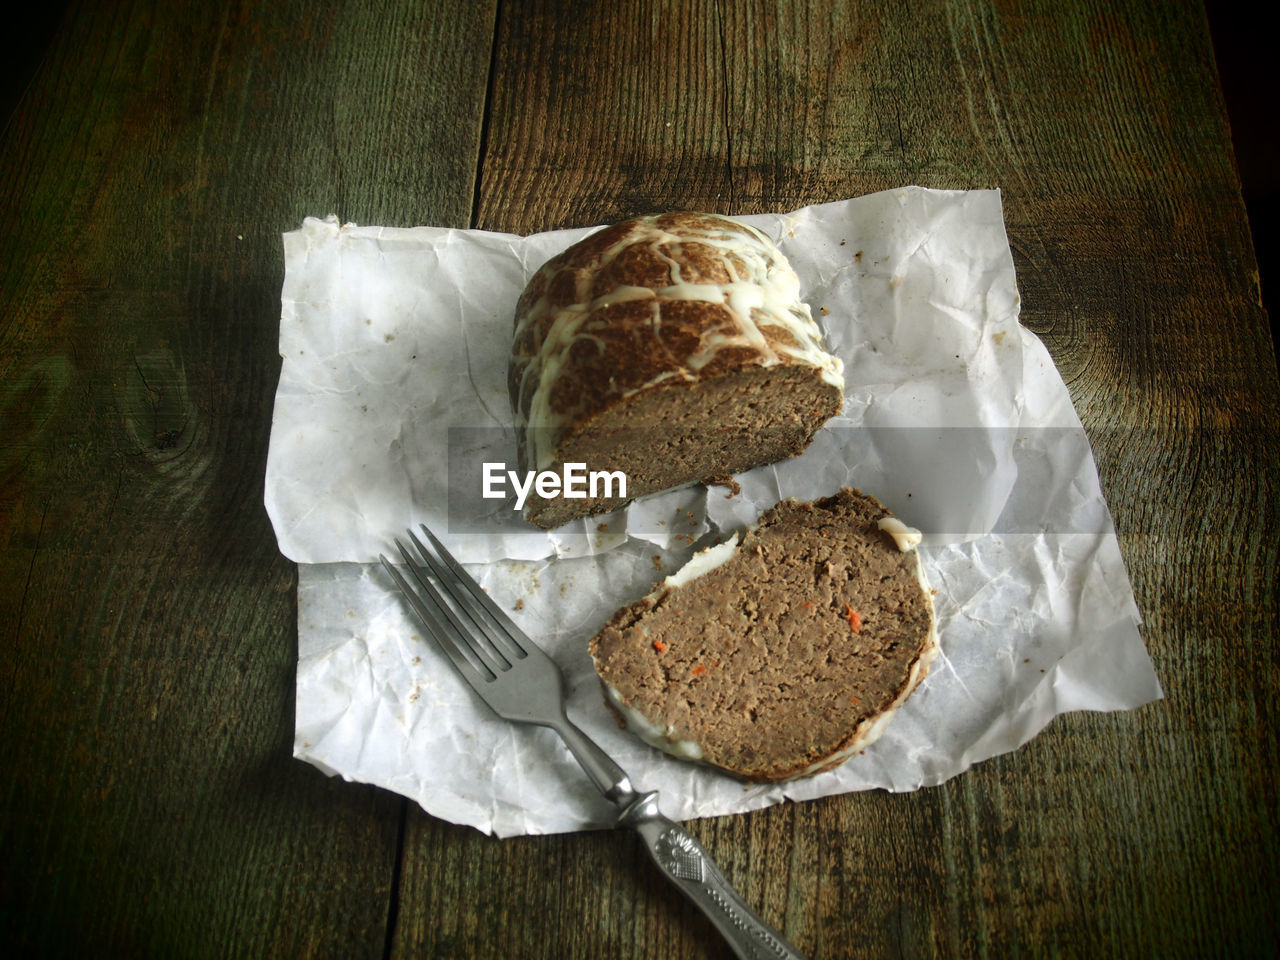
955 417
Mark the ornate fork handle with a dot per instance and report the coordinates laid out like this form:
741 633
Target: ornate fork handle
689 867
678 855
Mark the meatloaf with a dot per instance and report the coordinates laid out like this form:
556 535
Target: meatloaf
781 655
673 348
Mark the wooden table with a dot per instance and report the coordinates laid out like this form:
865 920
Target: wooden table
147 627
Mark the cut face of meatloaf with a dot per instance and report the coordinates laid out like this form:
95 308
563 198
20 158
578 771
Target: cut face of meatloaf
780 656
673 348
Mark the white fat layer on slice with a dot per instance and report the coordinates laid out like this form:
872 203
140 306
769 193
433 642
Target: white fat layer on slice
907 538
701 562
652 733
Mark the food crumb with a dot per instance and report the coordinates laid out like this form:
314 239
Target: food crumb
824 311
602 527
659 646
722 480
698 670
657 562
858 257
519 604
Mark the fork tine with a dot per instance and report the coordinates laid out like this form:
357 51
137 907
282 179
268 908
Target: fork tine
487 616
480 639
473 669
429 576
503 624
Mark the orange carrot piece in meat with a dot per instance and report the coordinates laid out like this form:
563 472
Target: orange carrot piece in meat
854 618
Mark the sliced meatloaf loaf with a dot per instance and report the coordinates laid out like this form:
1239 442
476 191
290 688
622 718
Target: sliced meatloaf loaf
673 348
782 655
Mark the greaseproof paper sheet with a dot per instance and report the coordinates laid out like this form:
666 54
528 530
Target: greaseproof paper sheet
395 343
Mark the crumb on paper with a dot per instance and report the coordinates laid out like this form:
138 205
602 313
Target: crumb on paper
998 337
824 311
519 604
602 527
657 562
857 257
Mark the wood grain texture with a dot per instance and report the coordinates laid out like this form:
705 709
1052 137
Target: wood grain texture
602 113
147 622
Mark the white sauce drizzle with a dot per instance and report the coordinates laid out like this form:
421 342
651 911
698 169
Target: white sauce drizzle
767 295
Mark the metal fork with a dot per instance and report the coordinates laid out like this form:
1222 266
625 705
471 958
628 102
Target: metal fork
522 684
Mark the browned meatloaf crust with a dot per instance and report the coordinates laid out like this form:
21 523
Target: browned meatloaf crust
674 348
786 658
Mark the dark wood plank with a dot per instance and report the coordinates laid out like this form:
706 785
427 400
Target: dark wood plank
604 112
1102 124
147 621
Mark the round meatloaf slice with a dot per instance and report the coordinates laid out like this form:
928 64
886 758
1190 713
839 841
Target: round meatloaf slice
784 654
673 348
